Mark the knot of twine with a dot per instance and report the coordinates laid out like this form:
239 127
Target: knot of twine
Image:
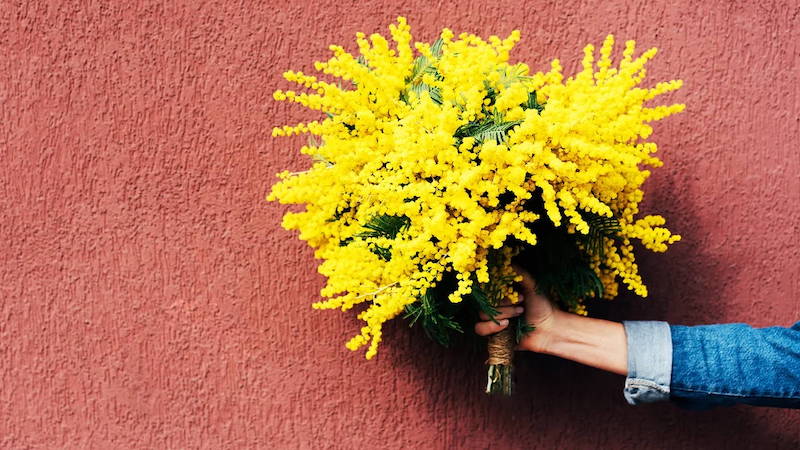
501 348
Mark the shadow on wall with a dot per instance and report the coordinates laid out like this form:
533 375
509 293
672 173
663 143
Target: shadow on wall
688 283
581 405
568 399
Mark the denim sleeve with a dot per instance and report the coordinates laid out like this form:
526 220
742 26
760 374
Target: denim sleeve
726 364
649 362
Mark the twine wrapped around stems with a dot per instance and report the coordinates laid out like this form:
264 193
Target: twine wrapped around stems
501 353
501 348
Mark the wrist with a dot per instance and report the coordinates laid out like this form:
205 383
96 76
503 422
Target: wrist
547 334
594 342
555 333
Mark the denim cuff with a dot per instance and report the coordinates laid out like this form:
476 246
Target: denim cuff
649 361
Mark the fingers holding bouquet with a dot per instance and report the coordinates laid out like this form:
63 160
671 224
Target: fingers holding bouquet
538 311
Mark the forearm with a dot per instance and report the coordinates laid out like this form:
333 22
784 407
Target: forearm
642 351
594 342
699 366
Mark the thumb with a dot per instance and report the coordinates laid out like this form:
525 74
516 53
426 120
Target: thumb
536 303
528 284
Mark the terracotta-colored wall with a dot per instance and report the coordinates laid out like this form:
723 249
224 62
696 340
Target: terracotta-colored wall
149 299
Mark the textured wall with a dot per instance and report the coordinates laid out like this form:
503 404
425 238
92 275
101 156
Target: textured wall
149 299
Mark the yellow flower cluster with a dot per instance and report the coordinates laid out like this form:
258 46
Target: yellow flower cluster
392 144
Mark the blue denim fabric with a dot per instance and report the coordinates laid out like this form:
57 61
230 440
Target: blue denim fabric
713 365
735 363
649 362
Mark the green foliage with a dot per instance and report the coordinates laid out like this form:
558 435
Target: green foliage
521 328
600 228
560 260
533 103
487 131
424 66
434 92
571 278
436 47
575 280
439 325
483 303
495 129
384 253
385 226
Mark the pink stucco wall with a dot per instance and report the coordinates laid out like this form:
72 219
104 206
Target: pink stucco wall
149 299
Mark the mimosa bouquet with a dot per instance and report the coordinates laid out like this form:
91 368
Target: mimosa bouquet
434 170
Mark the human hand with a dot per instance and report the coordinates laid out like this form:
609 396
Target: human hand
538 311
594 342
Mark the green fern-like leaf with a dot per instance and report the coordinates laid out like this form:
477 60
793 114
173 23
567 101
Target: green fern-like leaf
559 261
384 253
521 328
436 47
437 324
497 132
600 228
424 66
483 302
533 103
385 226
485 131
433 92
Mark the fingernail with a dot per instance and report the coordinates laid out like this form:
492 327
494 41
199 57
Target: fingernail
503 322
519 309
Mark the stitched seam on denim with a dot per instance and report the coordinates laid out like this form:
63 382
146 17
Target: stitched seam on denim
640 383
770 394
726 394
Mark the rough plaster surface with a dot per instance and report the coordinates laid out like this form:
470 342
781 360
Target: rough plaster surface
149 299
